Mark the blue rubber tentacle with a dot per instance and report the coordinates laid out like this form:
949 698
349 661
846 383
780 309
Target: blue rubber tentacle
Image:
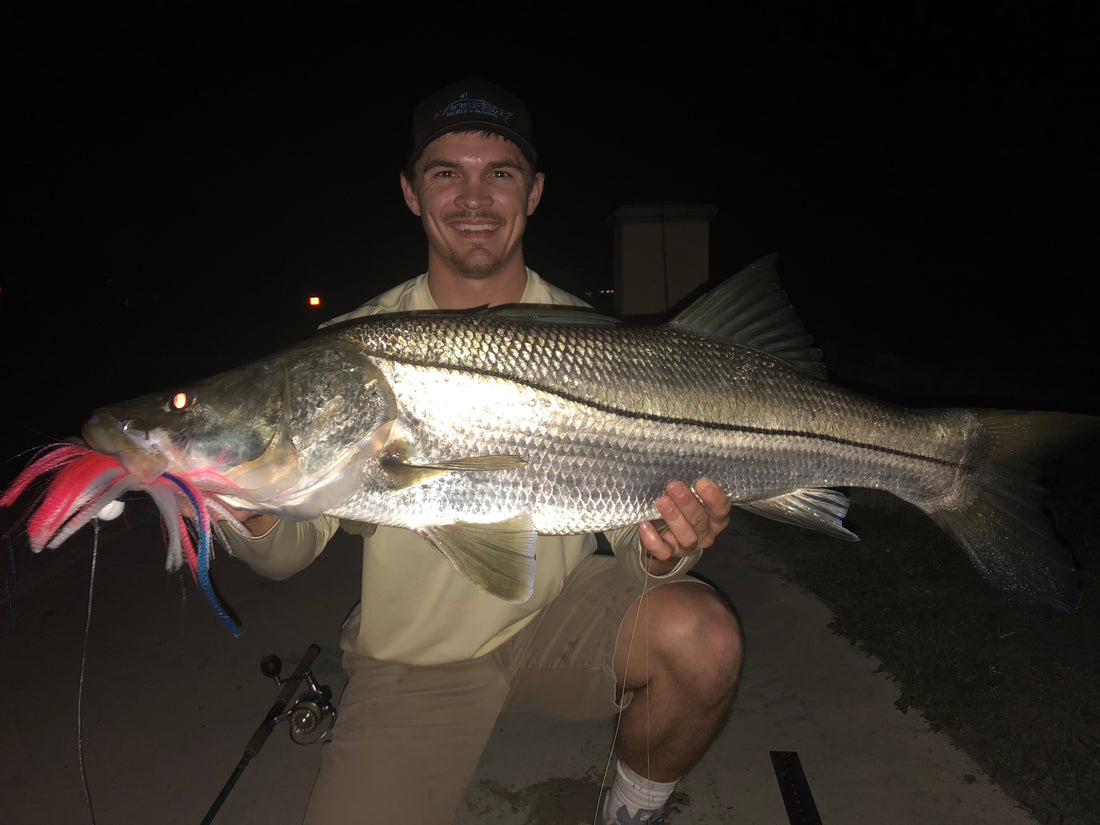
203 566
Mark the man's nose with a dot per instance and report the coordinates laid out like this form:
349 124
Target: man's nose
474 194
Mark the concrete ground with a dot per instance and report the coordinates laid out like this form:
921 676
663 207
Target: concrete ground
169 699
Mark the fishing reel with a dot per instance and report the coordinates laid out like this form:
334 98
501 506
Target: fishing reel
312 714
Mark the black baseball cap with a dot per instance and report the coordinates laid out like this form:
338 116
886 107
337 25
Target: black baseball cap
472 105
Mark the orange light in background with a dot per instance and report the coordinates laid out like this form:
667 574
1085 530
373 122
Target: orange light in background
314 301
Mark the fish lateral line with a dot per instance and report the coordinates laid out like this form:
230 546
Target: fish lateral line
716 426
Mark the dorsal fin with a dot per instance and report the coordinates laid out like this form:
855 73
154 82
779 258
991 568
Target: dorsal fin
562 314
750 309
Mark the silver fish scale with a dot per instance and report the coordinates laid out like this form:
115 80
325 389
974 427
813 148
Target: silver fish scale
660 372
605 416
586 469
642 370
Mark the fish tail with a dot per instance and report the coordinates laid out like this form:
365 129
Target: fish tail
1006 529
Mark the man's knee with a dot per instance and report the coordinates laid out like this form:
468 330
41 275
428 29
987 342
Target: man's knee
697 633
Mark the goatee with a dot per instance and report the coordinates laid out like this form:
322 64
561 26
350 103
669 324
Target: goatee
476 264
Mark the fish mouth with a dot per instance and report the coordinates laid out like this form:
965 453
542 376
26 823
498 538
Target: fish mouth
128 443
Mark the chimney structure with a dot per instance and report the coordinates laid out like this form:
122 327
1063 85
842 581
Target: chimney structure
661 254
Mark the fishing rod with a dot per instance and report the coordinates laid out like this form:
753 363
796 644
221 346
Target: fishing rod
306 716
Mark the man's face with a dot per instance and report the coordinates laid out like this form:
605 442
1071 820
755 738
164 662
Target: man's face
473 193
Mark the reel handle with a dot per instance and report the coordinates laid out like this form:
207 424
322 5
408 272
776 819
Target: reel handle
271 666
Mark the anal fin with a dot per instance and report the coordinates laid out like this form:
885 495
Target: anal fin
822 510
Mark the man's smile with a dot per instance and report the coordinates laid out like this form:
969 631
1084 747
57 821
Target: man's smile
475 225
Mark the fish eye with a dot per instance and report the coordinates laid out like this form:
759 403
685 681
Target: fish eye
181 400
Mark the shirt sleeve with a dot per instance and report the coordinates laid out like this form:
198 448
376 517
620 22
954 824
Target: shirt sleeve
627 547
285 549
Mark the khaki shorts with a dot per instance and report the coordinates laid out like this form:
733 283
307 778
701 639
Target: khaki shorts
409 737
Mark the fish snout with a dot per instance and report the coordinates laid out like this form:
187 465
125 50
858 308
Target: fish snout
129 442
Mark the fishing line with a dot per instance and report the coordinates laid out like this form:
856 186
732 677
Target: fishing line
629 649
11 584
183 601
83 666
664 252
649 674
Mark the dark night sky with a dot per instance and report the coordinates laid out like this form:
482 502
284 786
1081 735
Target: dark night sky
926 178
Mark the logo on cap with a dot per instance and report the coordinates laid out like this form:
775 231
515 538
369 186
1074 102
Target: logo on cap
465 105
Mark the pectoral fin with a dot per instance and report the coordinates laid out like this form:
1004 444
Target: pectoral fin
499 558
818 509
407 475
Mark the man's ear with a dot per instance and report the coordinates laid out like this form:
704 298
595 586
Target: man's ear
411 199
535 195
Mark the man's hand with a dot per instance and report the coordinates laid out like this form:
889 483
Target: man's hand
690 521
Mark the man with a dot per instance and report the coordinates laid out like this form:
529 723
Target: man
432 660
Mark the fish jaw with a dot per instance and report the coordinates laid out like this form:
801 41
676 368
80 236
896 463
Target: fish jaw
273 482
144 453
263 476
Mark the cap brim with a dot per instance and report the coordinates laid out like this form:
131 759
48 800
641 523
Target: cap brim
478 126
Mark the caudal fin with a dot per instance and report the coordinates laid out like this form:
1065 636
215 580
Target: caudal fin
1006 531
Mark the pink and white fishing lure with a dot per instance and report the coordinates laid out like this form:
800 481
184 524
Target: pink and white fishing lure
85 481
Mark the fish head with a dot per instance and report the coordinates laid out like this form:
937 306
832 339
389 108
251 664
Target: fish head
291 435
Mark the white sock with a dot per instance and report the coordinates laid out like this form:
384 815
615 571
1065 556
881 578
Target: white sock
635 793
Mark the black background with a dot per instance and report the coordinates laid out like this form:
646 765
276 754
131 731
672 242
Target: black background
180 181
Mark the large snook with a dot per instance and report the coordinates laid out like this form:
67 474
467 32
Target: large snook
479 430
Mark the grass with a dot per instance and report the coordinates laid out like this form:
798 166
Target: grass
1020 694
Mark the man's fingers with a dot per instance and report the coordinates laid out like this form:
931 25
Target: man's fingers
684 514
653 540
692 519
714 499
